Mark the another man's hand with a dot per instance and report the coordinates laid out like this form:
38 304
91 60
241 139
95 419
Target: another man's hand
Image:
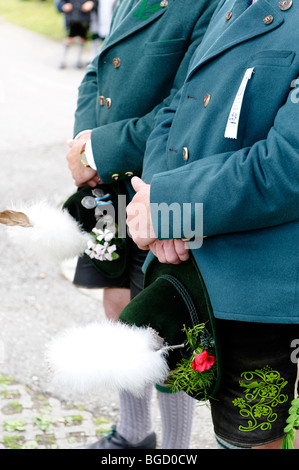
87 6
170 251
81 174
141 228
67 7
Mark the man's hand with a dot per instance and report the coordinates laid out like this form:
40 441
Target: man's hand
139 215
141 228
87 6
80 173
170 251
67 7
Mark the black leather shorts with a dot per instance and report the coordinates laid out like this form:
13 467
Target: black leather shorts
257 386
78 29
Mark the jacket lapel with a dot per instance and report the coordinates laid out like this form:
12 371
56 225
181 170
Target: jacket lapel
143 13
249 23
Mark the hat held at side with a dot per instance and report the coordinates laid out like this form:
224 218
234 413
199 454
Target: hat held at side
165 334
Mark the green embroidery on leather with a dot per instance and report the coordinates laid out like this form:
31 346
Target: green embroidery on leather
262 390
144 11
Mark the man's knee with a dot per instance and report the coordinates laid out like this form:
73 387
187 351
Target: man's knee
115 300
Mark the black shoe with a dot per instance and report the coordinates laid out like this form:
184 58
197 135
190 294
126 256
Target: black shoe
116 441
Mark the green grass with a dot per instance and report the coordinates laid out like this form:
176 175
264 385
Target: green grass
35 15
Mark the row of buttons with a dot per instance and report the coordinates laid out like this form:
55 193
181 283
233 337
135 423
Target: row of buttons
206 101
267 20
107 101
103 101
283 5
116 176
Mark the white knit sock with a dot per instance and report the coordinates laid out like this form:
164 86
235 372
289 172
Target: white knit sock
80 53
177 412
222 444
135 421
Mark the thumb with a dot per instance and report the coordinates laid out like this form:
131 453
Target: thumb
137 183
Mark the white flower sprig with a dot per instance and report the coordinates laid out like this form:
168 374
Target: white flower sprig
101 247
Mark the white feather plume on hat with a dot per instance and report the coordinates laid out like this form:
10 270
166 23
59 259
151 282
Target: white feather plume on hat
44 231
110 355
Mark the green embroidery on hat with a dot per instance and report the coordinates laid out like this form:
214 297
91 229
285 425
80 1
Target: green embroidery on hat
144 11
262 390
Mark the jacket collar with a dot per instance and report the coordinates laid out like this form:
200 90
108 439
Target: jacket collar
143 13
248 23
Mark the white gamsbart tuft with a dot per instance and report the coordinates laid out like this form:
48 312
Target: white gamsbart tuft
107 355
55 235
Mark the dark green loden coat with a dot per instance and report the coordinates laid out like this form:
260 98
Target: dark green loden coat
249 185
140 68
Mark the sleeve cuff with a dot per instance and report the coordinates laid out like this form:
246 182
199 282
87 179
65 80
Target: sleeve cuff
89 155
82 132
88 150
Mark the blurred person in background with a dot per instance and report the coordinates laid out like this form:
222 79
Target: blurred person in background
78 17
100 24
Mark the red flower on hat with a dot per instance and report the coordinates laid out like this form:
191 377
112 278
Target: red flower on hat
203 362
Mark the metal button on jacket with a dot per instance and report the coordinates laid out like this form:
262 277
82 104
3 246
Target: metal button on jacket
228 15
116 62
206 99
115 176
101 100
164 3
108 102
285 4
268 19
185 154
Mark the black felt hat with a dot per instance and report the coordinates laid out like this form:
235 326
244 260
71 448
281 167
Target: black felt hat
174 299
84 205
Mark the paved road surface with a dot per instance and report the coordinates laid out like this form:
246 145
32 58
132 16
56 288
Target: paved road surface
37 102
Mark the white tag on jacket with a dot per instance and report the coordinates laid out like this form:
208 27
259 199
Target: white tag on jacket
231 131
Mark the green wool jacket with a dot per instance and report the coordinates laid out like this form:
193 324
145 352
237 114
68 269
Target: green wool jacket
248 183
140 68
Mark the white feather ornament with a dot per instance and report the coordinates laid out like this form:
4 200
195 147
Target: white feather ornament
44 231
110 355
